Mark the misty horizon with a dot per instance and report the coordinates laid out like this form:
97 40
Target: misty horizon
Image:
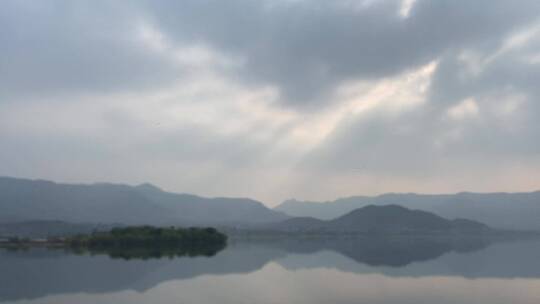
277 203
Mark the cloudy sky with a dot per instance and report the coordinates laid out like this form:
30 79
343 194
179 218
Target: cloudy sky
273 99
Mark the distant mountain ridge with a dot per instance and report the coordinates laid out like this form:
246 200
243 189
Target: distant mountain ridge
390 219
45 229
520 211
30 200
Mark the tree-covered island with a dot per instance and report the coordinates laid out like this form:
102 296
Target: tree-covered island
150 242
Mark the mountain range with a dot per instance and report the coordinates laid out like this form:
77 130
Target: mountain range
23 200
387 220
30 200
519 211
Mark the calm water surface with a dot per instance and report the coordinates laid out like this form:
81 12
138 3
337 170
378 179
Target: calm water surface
286 271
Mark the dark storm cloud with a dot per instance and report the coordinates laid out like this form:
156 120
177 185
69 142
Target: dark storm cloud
306 48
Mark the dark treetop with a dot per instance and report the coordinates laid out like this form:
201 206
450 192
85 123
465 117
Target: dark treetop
149 242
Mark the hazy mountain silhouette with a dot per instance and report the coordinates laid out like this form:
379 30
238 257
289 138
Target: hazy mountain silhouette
23 200
499 210
391 219
43 229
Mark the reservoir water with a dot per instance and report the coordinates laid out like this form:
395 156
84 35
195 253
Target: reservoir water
306 271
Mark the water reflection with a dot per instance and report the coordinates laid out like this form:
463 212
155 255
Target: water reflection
141 253
392 251
38 273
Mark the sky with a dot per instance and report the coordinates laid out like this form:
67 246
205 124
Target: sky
273 99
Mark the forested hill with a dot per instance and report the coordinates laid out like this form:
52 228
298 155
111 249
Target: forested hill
389 219
520 211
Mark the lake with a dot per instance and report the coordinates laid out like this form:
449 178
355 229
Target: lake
310 271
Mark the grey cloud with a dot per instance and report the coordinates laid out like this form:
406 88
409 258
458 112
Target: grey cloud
307 48
509 74
425 142
377 143
52 48
408 147
304 48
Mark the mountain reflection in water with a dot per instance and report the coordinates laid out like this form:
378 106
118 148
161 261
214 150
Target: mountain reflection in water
37 273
